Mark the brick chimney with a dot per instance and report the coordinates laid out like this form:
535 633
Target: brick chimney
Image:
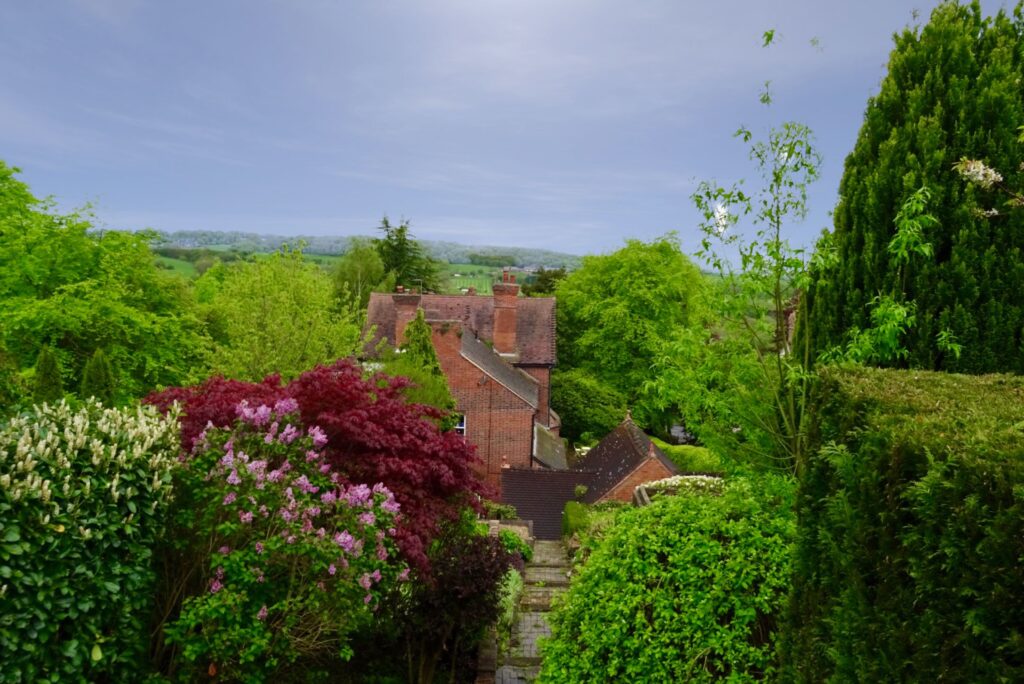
506 294
405 312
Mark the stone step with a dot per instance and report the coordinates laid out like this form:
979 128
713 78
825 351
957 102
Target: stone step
549 554
511 674
529 627
547 576
538 598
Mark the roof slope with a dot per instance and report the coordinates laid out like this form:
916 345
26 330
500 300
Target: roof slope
535 321
617 455
488 360
540 496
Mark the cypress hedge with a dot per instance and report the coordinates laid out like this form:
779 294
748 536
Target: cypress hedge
952 91
910 548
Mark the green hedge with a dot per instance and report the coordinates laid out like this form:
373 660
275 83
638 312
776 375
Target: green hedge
910 556
574 518
689 458
82 496
688 589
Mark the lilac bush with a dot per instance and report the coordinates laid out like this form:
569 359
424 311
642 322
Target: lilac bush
294 557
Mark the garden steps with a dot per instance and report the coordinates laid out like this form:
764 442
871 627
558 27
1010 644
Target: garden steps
545 577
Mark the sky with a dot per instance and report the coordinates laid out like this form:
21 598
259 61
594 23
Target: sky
570 125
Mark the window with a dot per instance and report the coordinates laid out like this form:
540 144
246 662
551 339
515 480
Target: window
460 427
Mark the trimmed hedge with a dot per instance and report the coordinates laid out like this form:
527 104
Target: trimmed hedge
910 555
688 589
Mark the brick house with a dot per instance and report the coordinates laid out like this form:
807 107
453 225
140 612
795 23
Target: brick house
610 471
497 353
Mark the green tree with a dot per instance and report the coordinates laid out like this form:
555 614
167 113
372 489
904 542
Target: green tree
98 379
82 289
616 312
359 272
47 386
276 314
417 361
544 282
589 410
405 259
952 94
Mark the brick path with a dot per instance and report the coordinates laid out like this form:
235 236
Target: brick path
546 577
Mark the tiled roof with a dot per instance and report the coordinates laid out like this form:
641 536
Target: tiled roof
540 495
617 455
549 448
535 321
488 360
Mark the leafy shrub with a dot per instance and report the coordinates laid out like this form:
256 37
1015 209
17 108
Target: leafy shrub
82 502
294 557
574 518
499 511
908 562
46 383
689 458
444 616
687 589
513 543
373 435
509 593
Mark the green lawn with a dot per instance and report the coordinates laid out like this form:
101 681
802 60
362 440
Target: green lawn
186 269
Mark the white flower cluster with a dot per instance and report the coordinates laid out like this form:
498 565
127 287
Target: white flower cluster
54 459
691 483
977 172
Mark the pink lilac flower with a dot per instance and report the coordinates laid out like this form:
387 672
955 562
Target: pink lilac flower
331 569
264 511
321 532
328 497
227 459
286 515
224 550
259 576
262 615
358 495
305 485
233 478
272 433
365 582
286 405
229 499
259 547
289 434
325 468
275 475
318 435
243 411
367 599
256 466
404 575
252 499
220 572
379 488
391 506
307 526
290 539
245 517
345 541
375 575
311 456
261 416
382 553
367 518
216 586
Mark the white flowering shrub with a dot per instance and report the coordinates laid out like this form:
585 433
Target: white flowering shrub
82 501
687 483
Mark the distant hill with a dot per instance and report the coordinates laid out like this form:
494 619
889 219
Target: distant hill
452 252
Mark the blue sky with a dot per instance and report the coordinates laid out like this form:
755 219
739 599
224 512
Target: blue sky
566 124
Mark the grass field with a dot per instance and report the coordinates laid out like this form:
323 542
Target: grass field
461 276
186 269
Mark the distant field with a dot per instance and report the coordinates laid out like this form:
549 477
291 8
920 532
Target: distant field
183 268
461 276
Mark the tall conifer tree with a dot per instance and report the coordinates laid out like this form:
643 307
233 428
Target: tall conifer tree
953 91
98 379
48 386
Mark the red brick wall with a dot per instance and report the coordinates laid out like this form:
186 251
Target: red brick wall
505 296
498 422
648 471
543 376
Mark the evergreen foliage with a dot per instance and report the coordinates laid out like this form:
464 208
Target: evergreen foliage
911 530
98 379
47 385
417 361
952 92
405 259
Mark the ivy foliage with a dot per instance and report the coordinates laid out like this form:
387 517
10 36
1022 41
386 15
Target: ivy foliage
83 497
690 588
952 92
908 560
